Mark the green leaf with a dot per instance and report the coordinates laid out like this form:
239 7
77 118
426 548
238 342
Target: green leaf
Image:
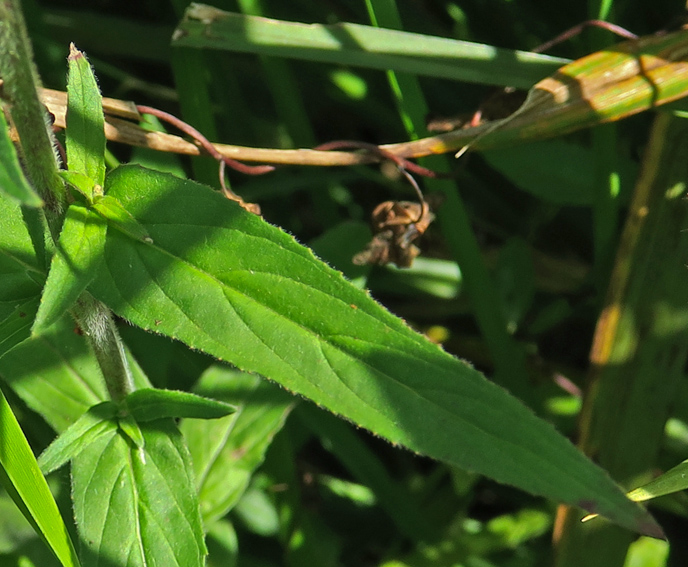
82 183
21 477
144 511
206 27
132 430
73 266
12 181
20 276
77 437
674 480
224 281
150 404
15 321
118 217
225 452
85 123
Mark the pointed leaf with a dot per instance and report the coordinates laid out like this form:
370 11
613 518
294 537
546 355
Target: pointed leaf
73 266
150 404
131 429
224 281
12 181
77 437
226 451
144 511
674 480
21 477
85 123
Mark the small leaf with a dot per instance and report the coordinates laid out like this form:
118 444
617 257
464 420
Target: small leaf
117 216
85 123
21 477
84 431
12 180
144 511
150 404
73 266
131 429
225 452
82 183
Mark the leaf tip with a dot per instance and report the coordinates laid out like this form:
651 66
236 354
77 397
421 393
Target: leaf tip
652 529
74 53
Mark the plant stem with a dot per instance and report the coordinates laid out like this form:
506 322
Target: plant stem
19 91
97 324
20 83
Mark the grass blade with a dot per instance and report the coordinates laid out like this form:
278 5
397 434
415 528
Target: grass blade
365 46
23 480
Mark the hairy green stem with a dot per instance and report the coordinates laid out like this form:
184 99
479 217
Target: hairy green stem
97 324
20 96
29 116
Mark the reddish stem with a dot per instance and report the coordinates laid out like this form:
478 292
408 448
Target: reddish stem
204 143
575 30
402 163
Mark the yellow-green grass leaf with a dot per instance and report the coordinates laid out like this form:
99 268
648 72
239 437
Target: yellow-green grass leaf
23 480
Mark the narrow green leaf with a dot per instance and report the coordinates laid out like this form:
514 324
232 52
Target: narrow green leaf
674 480
150 404
206 27
21 477
145 510
225 452
224 281
116 215
77 437
73 266
85 123
13 183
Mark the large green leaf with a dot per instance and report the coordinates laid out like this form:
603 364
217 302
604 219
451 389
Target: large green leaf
226 451
137 506
224 281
